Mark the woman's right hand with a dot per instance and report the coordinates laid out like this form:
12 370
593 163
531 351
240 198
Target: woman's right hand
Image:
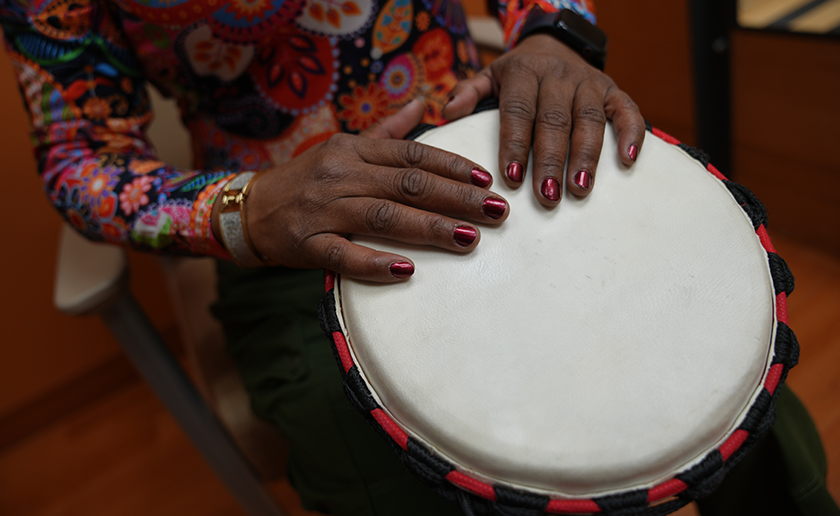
300 214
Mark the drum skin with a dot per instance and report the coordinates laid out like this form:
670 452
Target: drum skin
601 354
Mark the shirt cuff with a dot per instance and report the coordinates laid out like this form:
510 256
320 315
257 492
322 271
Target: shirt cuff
514 17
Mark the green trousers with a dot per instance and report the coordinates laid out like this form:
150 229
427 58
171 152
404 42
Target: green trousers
340 466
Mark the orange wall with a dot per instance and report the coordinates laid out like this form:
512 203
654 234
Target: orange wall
43 349
648 57
786 132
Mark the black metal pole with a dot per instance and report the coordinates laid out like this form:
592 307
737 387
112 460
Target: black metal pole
711 23
158 366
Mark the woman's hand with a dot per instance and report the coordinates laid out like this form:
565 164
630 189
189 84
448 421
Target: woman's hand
550 96
299 214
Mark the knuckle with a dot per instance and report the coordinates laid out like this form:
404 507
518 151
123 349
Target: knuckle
335 256
328 170
297 237
338 140
552 163
311 202
591 114
413 183
381 217
524 64
588 155
623 102
413 154
334 144
453 162
556 120
371 265
518 147
518 109
438 228
627 103
330 167
467 196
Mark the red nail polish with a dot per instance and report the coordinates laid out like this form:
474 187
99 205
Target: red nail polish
514 172
401 269
550 189
583 179
480 178
494 208
464 235
633 152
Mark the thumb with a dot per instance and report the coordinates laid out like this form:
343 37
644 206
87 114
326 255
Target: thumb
399 124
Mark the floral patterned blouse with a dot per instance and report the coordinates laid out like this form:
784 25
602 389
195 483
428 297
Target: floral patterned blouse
257 82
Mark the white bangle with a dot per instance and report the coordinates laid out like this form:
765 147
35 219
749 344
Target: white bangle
233 224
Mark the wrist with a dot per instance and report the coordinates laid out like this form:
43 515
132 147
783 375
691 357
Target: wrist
230 222
570 28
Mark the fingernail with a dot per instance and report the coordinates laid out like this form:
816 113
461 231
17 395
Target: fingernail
401 269
633 152
583 179
514 172
464 235
550 189
480 178
449 101
494 208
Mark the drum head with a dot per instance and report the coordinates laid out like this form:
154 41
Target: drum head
602 347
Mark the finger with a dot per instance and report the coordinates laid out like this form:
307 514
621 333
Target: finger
395 221
466 95
629 123
398 125
588 123
336 253
429 192
414 155
517 110
551 141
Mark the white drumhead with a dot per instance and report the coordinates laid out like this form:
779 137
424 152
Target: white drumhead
603 345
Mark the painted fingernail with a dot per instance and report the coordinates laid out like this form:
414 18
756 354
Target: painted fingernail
633 152
464 235
514 172
583 179
480 178
550 189
494 208
401 269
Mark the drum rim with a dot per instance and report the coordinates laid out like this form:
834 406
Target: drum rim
697 478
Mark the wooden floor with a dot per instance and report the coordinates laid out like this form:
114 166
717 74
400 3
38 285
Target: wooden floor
124 455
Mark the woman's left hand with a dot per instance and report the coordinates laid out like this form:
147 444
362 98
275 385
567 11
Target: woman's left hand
551 96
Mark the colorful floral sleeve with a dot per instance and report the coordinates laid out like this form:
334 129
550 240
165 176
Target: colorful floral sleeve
88 106
513 13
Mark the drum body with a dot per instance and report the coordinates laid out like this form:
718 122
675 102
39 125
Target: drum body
616 352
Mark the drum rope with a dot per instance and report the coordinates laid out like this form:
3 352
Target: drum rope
464 502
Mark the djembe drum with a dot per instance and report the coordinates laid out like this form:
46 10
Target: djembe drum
617 353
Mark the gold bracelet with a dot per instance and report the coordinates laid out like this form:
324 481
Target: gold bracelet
233 225
245 191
